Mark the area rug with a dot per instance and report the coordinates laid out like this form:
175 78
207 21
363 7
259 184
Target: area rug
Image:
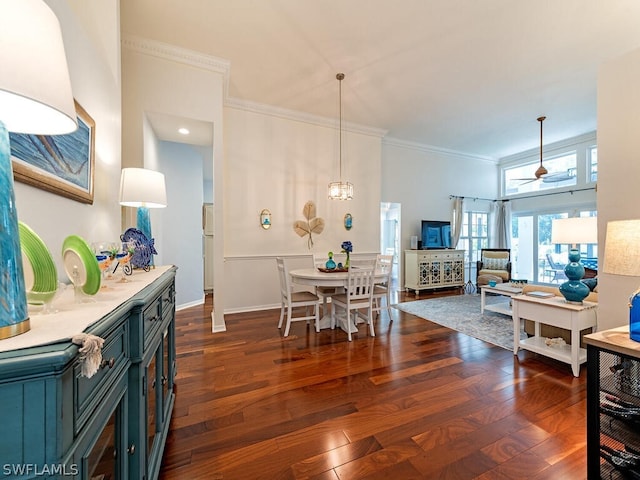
462 313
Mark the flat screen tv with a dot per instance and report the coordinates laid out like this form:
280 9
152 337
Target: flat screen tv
436 234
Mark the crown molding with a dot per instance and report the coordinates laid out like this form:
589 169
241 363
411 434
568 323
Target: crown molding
421 147
298 116
179 55
222 66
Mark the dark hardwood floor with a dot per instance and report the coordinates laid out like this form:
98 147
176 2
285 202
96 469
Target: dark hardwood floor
418 401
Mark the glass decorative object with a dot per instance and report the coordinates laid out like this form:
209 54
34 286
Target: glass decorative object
330 264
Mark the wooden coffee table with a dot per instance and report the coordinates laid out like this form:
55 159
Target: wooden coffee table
503 289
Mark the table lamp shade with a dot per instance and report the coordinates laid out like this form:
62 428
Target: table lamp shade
622 248
622 257
35 89
36 98
574 230
140 187
144 189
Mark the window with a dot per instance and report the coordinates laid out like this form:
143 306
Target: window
534 257
593 164
473 237
521 179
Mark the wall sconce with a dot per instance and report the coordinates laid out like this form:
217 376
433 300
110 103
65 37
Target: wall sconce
265 219
348 221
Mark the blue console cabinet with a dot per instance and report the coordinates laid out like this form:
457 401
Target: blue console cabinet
57 423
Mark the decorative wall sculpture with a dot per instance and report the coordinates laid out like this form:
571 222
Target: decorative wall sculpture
312 224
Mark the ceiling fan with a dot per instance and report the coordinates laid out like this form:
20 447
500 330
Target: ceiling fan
541 171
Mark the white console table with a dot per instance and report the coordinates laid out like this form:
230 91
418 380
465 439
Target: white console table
557 312
502 289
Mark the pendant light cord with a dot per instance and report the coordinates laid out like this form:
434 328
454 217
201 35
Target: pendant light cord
340 77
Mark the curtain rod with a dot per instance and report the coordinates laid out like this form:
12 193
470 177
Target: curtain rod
526 196
472 198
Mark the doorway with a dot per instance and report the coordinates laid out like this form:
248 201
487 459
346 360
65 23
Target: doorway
390 237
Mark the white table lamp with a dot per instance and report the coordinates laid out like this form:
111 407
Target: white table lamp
622 257
143 189
574 231
35 98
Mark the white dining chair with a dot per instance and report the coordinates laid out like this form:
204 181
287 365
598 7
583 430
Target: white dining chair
383 290
291 300
358 295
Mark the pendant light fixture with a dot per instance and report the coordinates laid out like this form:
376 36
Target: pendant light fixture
340 190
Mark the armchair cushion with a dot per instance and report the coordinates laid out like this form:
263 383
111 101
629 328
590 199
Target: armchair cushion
494 262
490 263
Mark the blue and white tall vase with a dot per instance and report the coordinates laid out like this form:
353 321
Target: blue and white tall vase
14 317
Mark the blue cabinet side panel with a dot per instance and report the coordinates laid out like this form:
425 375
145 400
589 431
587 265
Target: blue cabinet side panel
23 420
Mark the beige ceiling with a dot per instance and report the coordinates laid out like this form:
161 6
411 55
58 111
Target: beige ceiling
465 75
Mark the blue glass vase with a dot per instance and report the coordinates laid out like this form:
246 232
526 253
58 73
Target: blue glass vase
330 264
14 317
634 316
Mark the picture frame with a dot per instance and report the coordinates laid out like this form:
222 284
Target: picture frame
60 164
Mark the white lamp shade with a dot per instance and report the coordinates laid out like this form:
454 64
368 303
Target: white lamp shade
35 89
140 187
622 248
574 230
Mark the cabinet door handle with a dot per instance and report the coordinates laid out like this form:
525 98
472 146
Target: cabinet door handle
108 363
154 318
164 380
132 449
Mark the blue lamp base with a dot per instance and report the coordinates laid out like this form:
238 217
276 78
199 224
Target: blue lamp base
144 225
14 317
573 290
144 221
634 316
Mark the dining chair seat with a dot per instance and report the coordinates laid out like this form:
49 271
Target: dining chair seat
291 300
358 296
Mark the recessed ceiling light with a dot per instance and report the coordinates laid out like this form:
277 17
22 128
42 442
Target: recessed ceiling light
183 131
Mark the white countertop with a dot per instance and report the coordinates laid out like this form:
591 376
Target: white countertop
71 317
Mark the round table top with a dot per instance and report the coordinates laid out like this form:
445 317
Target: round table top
313 276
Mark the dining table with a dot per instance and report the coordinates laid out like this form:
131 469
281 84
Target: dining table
316 277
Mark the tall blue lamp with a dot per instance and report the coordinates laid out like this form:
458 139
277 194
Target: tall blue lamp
574 231
143 189
35 98
622 257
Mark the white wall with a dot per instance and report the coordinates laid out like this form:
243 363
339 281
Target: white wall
95 81
164 79
181 220
618 173
279 163
421 179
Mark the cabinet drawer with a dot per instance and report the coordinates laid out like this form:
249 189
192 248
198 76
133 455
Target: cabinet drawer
168 302
152 319
89 392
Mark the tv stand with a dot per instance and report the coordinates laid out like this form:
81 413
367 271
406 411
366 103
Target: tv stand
437 268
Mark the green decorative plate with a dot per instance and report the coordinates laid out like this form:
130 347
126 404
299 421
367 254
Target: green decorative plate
81 264
40 272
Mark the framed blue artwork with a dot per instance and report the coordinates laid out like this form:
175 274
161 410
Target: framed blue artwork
61 164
